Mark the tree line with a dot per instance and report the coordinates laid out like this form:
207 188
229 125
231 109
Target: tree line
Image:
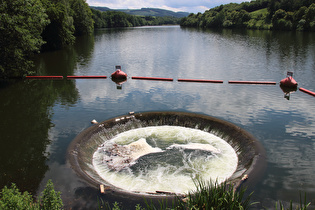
116 19
259 14
30 26
33 26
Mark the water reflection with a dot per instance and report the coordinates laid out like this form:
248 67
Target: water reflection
38 117
24 132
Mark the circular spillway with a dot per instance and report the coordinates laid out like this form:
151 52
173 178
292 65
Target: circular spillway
163 153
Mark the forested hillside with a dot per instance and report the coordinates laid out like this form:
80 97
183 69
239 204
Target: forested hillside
259 14
114 19
146 12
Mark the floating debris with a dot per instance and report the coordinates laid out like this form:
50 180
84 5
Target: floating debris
94 121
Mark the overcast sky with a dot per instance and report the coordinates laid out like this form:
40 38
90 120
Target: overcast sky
191 6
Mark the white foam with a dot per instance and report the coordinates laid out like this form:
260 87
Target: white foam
218 163
195 146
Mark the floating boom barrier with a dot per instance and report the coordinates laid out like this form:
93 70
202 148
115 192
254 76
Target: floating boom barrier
44 77
153 78
86 77
307 91
200 80
289 81
253 82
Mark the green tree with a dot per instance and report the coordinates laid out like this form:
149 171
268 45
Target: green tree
82 17
281 20
51 199
60 31
310 17
21 25
12 198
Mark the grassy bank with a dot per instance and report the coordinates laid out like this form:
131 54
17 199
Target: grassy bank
207 196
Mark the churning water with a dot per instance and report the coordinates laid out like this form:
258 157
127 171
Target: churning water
164 158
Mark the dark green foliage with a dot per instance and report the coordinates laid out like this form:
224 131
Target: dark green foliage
60 31
12 198
259 14
28 26
82 17
50 198
207 196
115 19
217 196
21 25
68 18
146 12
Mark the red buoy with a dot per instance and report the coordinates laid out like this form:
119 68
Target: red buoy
119 74
289 81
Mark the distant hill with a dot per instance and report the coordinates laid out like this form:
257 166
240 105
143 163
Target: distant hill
146 12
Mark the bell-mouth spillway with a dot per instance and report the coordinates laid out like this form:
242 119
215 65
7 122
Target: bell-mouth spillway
82 152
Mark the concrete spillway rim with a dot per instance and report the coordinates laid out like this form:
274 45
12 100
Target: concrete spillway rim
254 171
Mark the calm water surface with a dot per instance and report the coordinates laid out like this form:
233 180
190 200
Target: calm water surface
40 118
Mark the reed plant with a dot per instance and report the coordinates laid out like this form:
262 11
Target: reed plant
216 196
301 206
206 196
212 196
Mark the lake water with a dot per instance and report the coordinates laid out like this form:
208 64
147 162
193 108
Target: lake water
39 118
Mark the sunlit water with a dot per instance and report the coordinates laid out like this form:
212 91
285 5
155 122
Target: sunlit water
164 158
40 118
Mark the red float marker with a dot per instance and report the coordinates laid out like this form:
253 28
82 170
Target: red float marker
253 82
86 77
307 91
153 78
44 77
200 80
119 74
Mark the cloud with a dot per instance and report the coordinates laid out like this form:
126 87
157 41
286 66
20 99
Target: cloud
173 5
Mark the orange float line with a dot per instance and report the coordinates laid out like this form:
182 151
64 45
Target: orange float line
253 82
200 80
44 77
307 91
86 77
153 78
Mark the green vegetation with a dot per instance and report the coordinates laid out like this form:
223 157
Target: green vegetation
302 206
206 196
21 25
67 19
12 198
116 19
30 26
146 12
259 14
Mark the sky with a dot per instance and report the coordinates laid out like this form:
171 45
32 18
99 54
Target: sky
191 6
